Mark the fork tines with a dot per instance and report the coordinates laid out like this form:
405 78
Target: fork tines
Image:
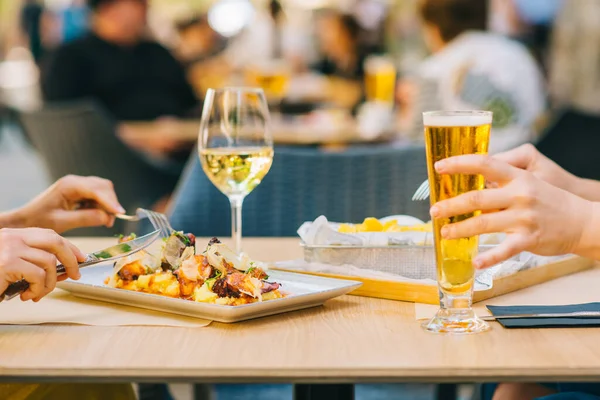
159 221
422 192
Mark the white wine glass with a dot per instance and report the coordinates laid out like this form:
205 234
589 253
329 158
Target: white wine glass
235 146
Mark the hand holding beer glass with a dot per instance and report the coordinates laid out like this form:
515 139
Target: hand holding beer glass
448 134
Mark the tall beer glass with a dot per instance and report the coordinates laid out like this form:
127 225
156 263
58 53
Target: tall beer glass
447 134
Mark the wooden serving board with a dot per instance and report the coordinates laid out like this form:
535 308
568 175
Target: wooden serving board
428 294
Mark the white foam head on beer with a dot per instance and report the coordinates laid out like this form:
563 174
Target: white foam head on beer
458 119
375 64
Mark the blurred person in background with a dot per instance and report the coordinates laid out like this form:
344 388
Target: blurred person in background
527 21
31 20
338 42
470 68
198 41
575 57
200 49
270 34
372 17
133 77
341 58
74 20
38 27
538 19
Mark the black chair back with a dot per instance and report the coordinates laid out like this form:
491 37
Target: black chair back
80 139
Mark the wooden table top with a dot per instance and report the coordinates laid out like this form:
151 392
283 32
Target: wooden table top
350 339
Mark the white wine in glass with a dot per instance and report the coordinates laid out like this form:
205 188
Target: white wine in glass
235 146
236 171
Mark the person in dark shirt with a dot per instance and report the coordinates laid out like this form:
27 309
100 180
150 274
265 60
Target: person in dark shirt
134 78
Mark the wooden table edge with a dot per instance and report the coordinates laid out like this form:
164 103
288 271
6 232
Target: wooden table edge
267 375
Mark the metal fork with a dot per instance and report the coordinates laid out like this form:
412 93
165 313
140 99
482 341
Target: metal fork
159 221
422 193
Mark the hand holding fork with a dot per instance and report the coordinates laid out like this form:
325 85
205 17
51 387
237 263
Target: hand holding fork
158 220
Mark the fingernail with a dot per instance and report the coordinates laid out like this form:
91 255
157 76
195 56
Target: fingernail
78 276
434 211
477 263
440 165
120 209
445 231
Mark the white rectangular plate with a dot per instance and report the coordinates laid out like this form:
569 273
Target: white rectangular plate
302 291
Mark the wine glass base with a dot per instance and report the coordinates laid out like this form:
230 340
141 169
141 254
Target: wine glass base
455 321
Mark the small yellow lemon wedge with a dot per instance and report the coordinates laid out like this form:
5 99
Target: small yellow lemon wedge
372 225
360 228
347 228
390 225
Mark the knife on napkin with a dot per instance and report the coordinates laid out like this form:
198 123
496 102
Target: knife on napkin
109 254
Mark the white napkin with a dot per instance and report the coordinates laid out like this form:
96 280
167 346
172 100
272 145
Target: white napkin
374 119
321 232
324 233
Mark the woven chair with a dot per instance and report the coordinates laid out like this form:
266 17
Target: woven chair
304 183
79 138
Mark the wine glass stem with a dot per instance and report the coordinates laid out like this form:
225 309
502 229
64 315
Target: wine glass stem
236 222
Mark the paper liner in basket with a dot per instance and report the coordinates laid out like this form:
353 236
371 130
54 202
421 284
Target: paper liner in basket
322 232
391 256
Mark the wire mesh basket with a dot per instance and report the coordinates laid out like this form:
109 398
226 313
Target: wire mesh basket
414 262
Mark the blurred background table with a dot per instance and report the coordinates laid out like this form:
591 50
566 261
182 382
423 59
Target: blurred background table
315 129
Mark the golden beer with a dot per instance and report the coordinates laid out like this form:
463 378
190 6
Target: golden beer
380 79
273 77
449 134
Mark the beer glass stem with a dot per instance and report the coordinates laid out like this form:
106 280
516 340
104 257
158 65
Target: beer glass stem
236 222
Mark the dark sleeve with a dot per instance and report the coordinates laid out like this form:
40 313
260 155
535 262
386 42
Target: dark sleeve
186 93
322 67
65 75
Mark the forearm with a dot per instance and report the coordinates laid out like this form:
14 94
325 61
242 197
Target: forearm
588 189
12 219
589 242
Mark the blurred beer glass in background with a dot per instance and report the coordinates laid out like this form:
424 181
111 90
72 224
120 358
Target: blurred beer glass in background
448 134
380 79
273 76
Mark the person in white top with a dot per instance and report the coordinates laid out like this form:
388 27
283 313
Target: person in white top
473 69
